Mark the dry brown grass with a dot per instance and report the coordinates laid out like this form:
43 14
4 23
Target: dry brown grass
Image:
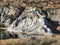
38 40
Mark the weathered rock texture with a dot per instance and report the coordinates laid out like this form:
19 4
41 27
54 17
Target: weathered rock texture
32 21
11 13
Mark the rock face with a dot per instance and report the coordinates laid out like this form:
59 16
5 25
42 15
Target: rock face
32 21
9 14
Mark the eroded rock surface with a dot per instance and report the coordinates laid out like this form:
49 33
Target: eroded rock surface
9 14
32 21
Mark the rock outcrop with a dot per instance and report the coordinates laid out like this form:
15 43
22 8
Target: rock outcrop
32 21
9 13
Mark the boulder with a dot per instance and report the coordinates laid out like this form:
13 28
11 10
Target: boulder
32 21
